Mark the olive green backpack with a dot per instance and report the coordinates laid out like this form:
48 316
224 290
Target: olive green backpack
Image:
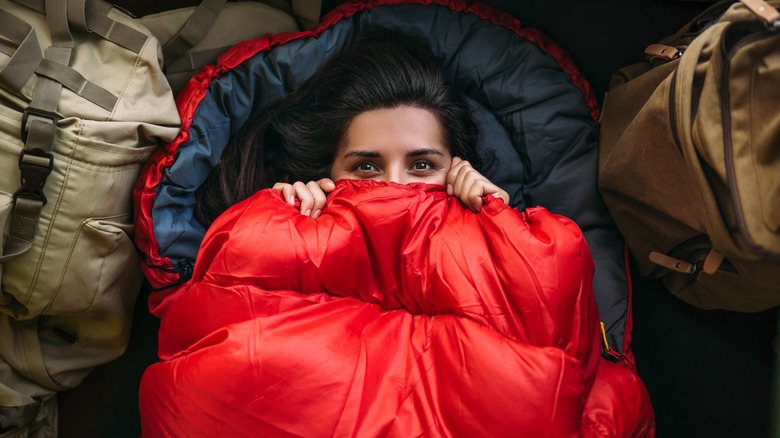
83 102
690 158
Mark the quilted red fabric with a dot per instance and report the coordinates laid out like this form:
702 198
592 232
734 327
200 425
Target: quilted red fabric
397 313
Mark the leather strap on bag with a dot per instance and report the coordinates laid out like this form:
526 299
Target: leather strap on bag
764 10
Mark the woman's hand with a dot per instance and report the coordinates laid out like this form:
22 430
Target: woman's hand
464 182
312 195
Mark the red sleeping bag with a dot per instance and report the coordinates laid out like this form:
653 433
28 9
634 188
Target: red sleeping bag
397 313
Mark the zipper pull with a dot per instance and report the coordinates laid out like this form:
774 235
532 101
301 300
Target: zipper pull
604 337
672 263
765 11
610 354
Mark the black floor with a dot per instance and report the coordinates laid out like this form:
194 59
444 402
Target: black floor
709 373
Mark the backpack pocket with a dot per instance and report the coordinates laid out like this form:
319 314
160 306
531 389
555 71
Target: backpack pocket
86 219
100 259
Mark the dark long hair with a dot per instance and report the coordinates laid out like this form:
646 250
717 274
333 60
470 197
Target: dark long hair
297 139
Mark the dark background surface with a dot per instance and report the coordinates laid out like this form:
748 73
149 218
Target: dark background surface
709 373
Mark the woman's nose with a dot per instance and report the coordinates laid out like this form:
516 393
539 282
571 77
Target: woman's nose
395 174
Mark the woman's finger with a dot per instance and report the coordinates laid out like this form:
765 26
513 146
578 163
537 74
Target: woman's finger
459 176
468 185
327 185
498 192
471 190
452 175
318 194
474 195
303 193
312 195
288 192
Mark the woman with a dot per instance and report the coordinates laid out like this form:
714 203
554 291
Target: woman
379 110
398 312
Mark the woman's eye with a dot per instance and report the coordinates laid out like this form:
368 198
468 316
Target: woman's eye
423 166
365 167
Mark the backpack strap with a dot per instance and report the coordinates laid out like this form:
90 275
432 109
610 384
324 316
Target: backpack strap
39 123
88 16
21 45
203 17
75 82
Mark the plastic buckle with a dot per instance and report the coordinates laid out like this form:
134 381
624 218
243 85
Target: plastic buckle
35 166
52 117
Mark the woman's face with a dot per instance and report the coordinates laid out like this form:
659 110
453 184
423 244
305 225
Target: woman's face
403 144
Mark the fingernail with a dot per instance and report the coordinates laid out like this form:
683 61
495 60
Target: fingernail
316 213
291 199
307 212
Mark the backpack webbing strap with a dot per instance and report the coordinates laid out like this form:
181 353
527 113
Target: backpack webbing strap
22 48
57 20
203 17
75 82
39 127
26 59
192 60
92 16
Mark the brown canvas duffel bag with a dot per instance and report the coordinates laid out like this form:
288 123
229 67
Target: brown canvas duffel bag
690 158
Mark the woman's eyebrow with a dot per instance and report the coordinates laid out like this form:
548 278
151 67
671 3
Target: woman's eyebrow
372 154
363 154
419 152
